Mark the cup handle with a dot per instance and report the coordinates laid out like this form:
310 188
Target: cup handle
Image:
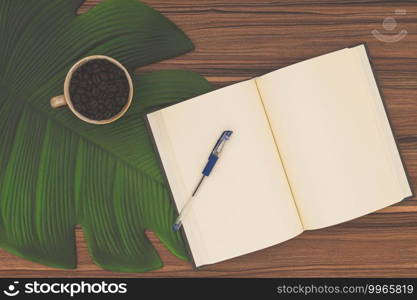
58 101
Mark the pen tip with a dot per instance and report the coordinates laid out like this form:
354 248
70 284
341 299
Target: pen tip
176 227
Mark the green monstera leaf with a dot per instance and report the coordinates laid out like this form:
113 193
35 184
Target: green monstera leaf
57 171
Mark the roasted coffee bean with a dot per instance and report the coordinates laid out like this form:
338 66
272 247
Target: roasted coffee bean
103 76
120 100
95 92
93 104
109 104
103 86
96 79
80 91
76 98
99 89
113 88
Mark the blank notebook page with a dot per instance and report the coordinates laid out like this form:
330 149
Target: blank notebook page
246 203
334 137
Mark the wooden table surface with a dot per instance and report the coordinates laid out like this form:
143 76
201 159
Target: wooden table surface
239 39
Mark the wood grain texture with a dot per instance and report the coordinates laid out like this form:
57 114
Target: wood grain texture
239 39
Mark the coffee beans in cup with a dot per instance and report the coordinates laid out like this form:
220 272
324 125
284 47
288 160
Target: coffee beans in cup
99 89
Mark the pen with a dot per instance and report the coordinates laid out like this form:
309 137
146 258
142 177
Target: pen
212 160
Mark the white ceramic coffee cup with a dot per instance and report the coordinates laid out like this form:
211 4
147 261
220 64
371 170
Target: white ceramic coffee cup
65 99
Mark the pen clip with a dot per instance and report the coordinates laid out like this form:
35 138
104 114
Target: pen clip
221 141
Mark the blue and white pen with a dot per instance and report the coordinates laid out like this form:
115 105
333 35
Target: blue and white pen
212 160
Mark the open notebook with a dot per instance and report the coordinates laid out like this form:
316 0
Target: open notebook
312 147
